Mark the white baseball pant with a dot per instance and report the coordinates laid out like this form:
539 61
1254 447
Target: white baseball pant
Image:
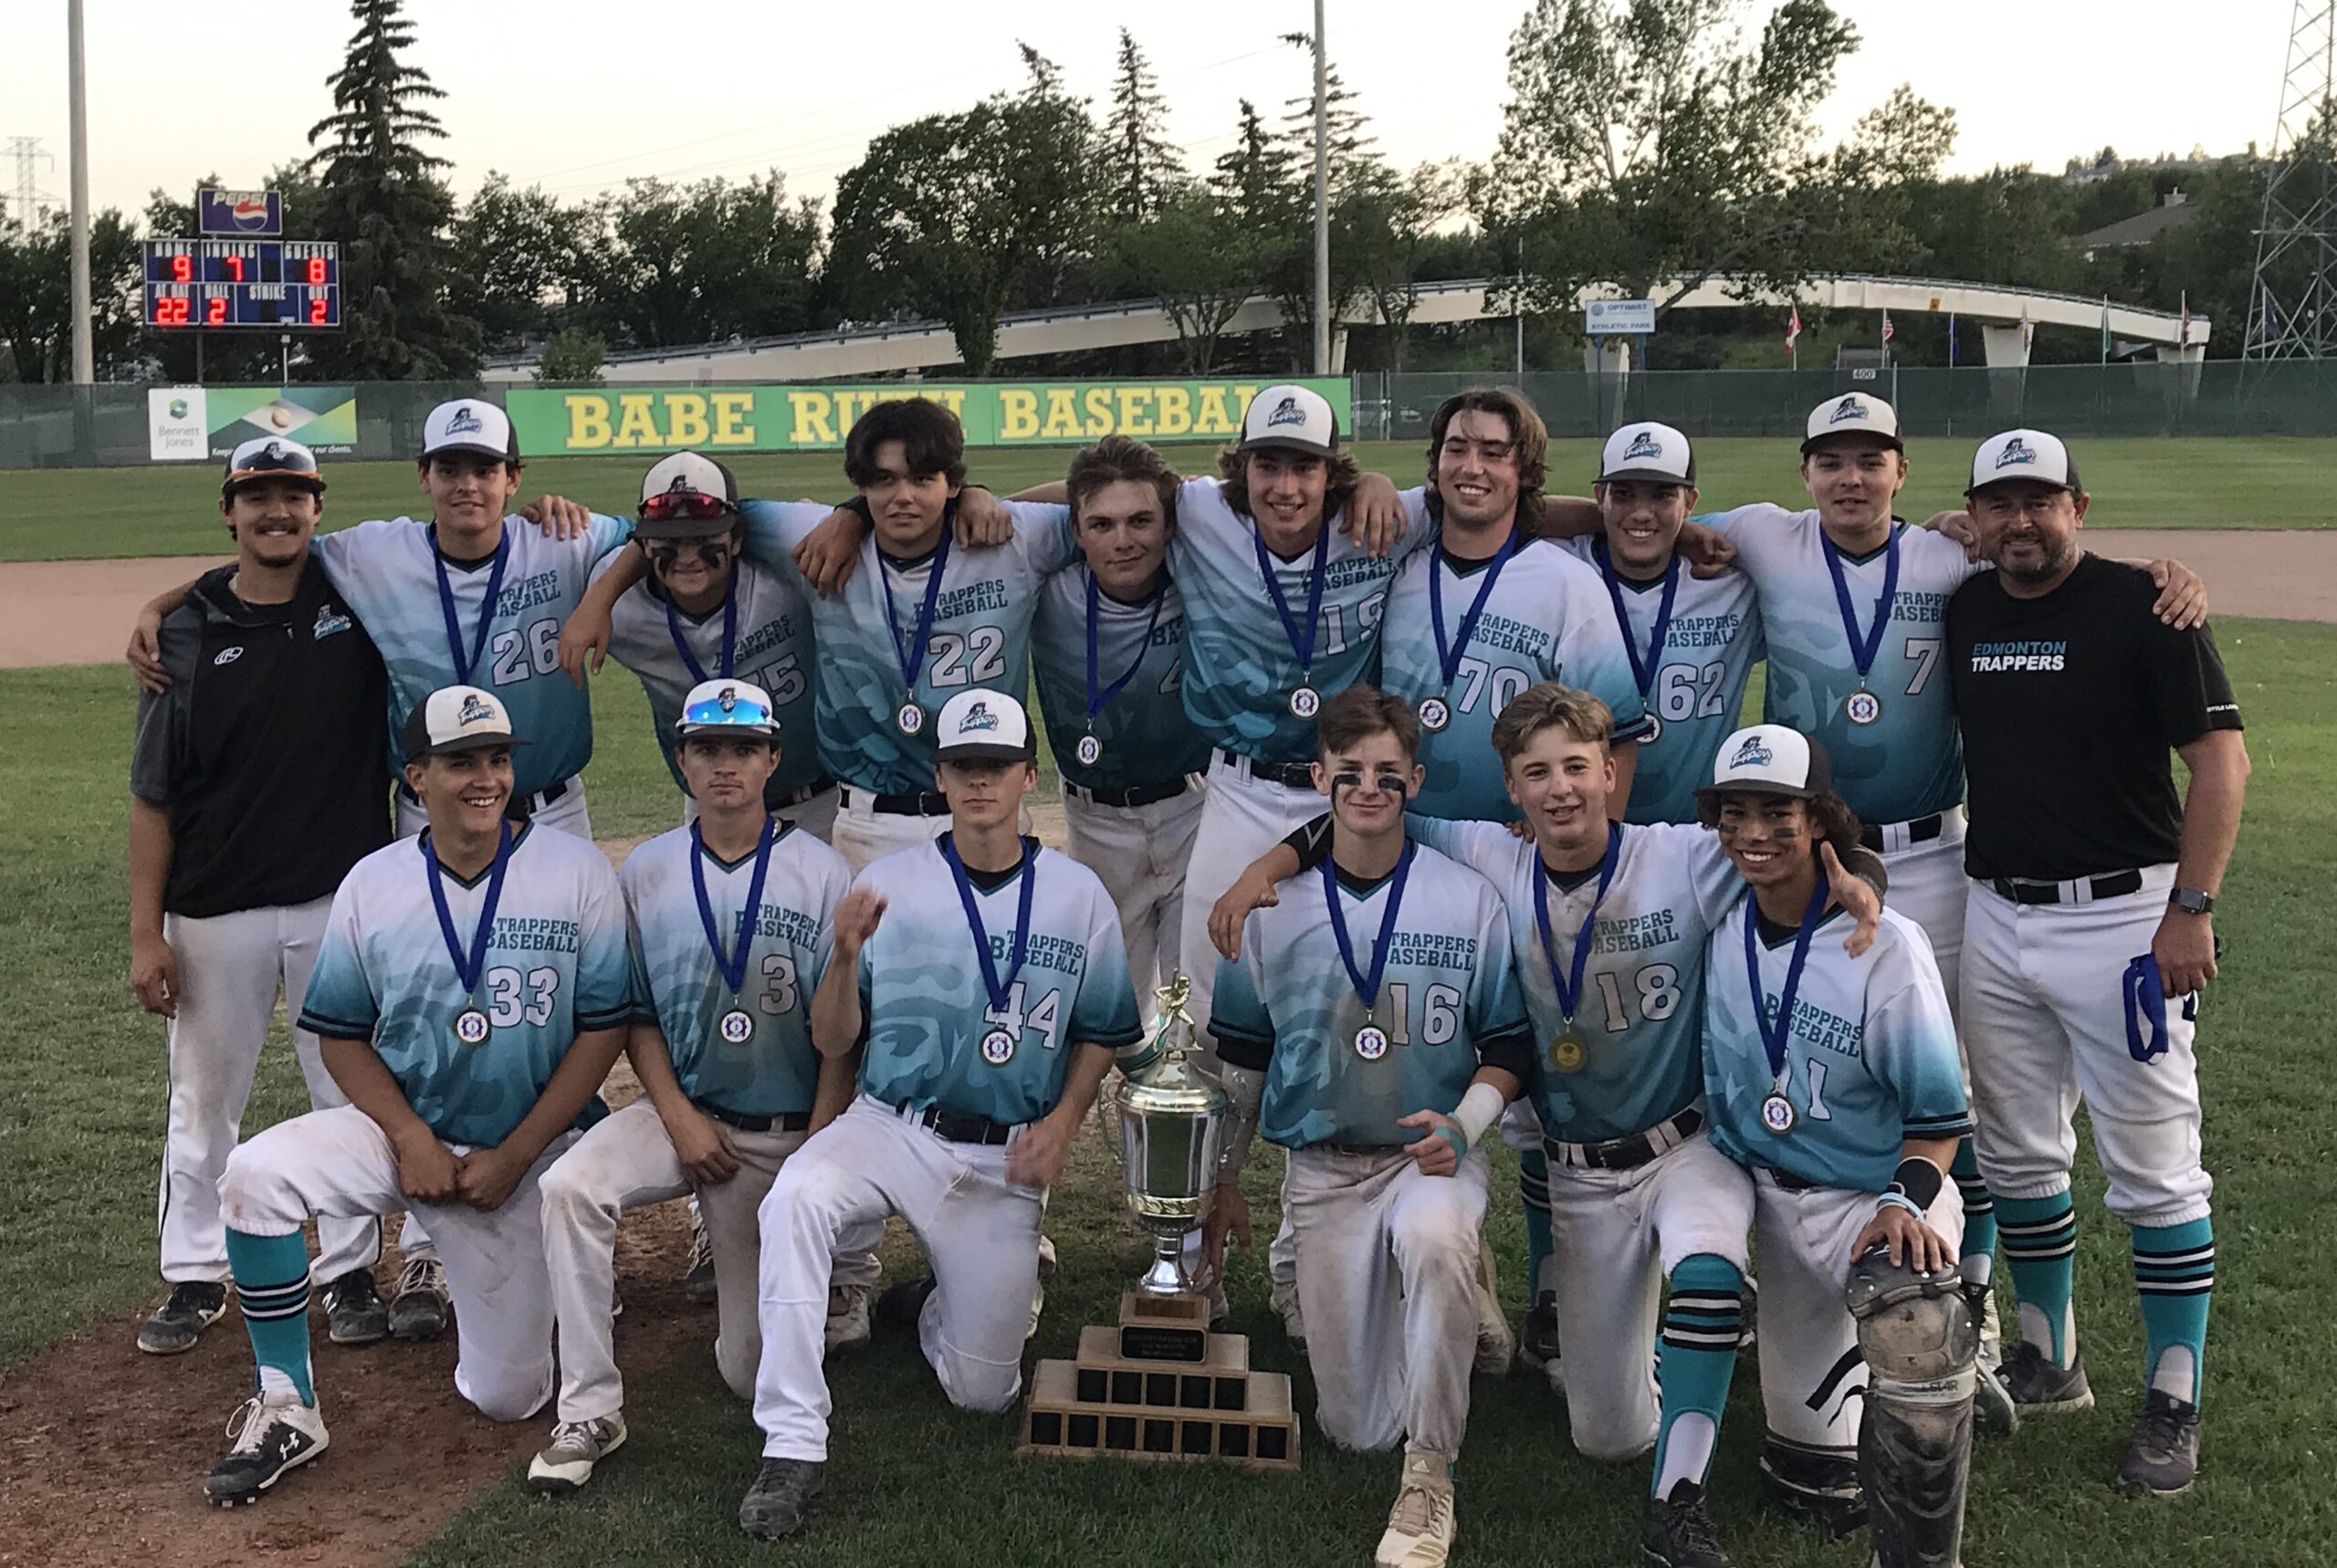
1241 818
339 1163
1927 886
1139 853
1386 1280
231 969
567 813
980 1231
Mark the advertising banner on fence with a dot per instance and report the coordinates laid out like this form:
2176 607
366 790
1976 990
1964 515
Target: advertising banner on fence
555 423
195 423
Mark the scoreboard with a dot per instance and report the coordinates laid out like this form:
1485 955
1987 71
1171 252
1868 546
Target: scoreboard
230 283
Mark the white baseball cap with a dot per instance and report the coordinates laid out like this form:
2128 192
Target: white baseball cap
271 457
457 718
469 424
726 707
1655 452
1853 414
683 495
1769 759
1297 417
983 726
2031 454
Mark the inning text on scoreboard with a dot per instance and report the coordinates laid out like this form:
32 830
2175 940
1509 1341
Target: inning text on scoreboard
227 283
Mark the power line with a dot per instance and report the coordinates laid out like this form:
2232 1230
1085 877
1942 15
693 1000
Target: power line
27 152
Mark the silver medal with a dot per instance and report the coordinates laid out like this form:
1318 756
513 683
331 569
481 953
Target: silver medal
737 1025
1654 731
1306 702
1435 715
1089 750
1777 1114
997 1047
1371 1043
1862 708
471 1027
910 719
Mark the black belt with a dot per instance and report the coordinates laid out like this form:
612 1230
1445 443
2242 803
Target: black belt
1372 1149
519 807
2116 884
917 803
958 1129
1629 1153
1919 829
1789 1182
785 1122
1135 795
796 798
1289 775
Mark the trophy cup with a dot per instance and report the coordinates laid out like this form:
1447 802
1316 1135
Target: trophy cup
1161 1385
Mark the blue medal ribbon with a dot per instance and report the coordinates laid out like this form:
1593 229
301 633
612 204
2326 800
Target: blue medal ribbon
1366 987
1569 985
1448 660
1301 646
1776 1038
1097 702
730 633
996 986
464 666
911 656
1863 647
468 966
732 968
1642 670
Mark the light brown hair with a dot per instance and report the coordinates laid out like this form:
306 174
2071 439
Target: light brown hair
1360 712
1340 478
1549 706
1116 459
1528 437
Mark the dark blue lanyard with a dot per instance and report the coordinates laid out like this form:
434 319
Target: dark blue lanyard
1642 670
463 666
990 982
1098 701
466 969
1863 648
1302 646
1366 987
729 632
1569 985
734 967
1448 660
1776 1038
912 657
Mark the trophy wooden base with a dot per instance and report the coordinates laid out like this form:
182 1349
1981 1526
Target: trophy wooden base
1161 1386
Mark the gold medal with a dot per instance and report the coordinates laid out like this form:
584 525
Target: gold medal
1568 1054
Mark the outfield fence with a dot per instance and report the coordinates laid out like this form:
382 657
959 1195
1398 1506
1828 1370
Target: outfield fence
136 425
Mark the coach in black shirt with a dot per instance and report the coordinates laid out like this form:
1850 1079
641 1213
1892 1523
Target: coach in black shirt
2089 926
257 780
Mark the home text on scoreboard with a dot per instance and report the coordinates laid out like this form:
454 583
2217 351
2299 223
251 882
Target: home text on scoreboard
253 283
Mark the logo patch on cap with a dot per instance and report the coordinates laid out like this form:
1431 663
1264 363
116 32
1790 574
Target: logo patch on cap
463 422
978 717
1286 412
474 710
1752 753
1643 445
729 699
2017 451
1848 408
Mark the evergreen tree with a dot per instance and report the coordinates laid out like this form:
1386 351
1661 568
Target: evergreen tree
380 195
1351 154
1142 168
1256 181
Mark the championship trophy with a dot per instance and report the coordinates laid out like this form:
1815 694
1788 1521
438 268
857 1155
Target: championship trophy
1160 1385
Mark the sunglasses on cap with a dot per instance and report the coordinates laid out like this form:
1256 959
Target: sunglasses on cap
739 712
275 463
696 506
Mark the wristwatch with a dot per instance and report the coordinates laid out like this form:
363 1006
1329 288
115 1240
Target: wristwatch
2191 901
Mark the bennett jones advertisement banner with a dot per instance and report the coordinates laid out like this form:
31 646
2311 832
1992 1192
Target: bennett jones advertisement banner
195 423
552 422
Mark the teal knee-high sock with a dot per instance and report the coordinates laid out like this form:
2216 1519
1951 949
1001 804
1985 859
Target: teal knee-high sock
1533 1190
2041 1238
1695 1356
272 1288
1979 1260
2175 1269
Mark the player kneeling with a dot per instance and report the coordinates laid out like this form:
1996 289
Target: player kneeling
1835 1080
1373 1028
471 992
731 916
986 982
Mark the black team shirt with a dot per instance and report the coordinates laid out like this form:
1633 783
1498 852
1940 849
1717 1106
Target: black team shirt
2069 705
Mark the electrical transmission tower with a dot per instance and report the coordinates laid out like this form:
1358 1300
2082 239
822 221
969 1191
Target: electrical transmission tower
26 151
2292 304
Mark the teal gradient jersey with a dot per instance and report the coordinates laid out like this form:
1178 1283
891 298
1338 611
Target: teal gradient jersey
680 987
1640 1016
1239 667
1547 619
555 966
1448 992
981 634
385 571
1910 762
1871 1061
1147 735
1696 682
927 1009
773 648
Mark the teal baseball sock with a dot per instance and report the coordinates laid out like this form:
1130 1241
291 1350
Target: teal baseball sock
1534 1191
1695 1358
2040 1241
272 1288
1978 1263
2175 1269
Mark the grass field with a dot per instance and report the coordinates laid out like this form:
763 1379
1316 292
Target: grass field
90 513
915 1482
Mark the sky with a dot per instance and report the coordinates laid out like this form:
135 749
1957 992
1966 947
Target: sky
578 94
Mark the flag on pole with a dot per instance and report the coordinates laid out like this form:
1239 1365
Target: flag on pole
2182 333
1886 326
1793 326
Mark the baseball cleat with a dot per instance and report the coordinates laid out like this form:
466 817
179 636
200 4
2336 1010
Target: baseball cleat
2165 1457
1537 1347
2039 1388
774 1505
273 1434
566 1462
1421 1526
1496 1346
173 1328
848 1310
354 1312
421 1307
1677 1533
1284 1298
698 1282
903 1304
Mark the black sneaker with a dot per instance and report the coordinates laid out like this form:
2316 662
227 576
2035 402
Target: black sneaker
174 1326
697 1284
1537 1344
902 1303
2037 1387
272 1436
421 1307
1676 1531
354 1312
774 1505
2165 1457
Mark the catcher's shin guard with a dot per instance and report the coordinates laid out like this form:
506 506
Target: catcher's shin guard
1921 1347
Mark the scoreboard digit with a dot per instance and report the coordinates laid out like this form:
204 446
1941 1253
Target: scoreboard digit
225 284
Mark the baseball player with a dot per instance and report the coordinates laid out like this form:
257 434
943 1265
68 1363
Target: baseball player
732 919
2090 925
471 992
985 983
255 783
1375 1030
1834 1080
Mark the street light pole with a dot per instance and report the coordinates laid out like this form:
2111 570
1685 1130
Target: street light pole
85 367
1322 206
